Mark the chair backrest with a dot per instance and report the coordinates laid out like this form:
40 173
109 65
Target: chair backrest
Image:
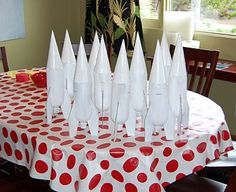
3 57
201 66
88 48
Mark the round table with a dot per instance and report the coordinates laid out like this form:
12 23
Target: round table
100 164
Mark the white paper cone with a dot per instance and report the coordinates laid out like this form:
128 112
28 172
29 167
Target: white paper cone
93 59
55 79
102 80
166 55
120 88
158 110
69 63
83 110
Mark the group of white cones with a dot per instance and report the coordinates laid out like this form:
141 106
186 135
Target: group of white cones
84 90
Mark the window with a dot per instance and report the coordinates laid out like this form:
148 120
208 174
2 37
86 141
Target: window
210 15
149 9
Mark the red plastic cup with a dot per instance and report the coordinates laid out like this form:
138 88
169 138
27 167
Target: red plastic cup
22 77
40 79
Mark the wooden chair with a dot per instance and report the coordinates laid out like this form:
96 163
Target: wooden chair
3 57
201 66
195 183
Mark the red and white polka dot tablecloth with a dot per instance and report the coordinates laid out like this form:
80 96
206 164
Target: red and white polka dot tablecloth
86 163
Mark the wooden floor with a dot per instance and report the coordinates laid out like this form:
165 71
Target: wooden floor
18 180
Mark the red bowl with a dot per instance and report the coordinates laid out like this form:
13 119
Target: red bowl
40 79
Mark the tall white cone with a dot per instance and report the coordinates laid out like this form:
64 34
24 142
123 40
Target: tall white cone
158 91
166 55
120 89
83 109
93 59
138 87
102 80
55 83
69 63
179 112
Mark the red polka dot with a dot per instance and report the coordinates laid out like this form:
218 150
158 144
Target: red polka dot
181 143
58 120
188 155
155 187
154 164
180 175
117 176
117 152
53 174
225 135
25 118
56 129
167 151
142 177
197 168
8 149
106 187
140 139
90 141
77 147
172 166
13 121
131 164
103 146
22 126
164 184
33 130
146 151
39 106
24 138
5 132
213 139
27 156
33 142
159 175
94 181
129 144
54 138
80 136
129 187
34 122
43 133
41 166
37 113
67 142
57 154
104 136
71 162
217 153
65 179
16 114
201 147
83 172
18 154
65 133
91 155
104 164
42 148
156 143
76 185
